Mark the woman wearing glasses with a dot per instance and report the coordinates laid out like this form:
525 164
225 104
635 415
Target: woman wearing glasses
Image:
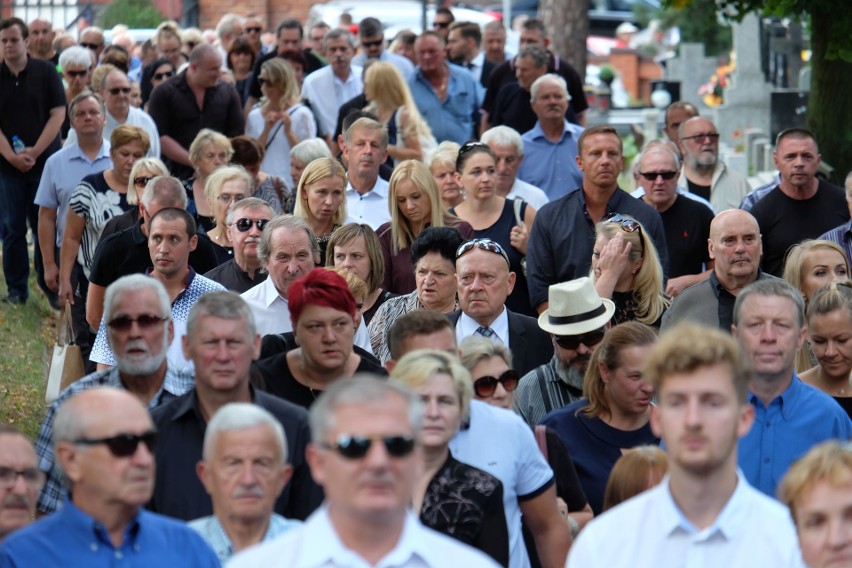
502 220
414 205
626 269
153 76
144 170
451 497
321 200
209 150
494 383
614 415
224 187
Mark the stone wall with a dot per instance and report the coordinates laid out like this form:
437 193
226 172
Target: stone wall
272 11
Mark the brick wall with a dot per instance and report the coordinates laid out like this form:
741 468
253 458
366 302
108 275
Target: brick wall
272 11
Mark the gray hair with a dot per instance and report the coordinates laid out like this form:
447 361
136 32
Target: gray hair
135 283
474 349
167 191
657 146
549 77
364 390
225 305
289 222
250 203
226 24
537 53
772 287
242 416
82 96
310 150
337 33
147 163
504 136
446 153
75 55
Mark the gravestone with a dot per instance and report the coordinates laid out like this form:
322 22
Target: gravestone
692 69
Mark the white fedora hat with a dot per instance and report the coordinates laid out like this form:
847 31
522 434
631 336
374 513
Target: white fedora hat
574 308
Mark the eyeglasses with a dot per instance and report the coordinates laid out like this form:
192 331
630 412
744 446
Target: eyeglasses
589 339
142 181
244 225
256 30
441 24
163 75
225 198
117 90
92 46
33 477
713 136
652 176
375 43
356 447
487 386
482 244
145 321
124 445
73 74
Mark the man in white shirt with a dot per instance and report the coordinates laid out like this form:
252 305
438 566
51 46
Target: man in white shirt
365 453
508 148
336 83
365 148
704 511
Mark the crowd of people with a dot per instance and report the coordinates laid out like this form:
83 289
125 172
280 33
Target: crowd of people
348 301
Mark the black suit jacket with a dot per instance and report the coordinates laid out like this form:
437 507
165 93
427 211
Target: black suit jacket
487 68
530 345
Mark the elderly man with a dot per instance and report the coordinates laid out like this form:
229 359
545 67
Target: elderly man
508 148
140 329
444 93
104 442
676 114
229 28
484 283
244 469
92 39
704 507
703 173
174 106
735 248
512 106
559 382
371 37
287 250
686 221
17 497
560 246
336 83
365 145
551 145
222 342
366 454
801 206
41 41
246 220
792 416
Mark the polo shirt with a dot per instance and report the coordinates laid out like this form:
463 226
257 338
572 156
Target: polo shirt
213 533
72 539
552 167
231 276
456 116
135 117
513 108
687 226
178 491
401 62
563 236
795 421
370 208
327 94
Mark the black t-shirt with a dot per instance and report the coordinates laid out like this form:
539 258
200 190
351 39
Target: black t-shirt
699 190
513 108
687 226
234 278
785 222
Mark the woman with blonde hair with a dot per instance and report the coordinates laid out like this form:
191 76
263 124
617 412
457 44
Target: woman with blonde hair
280 120
442 165
626 268
209 150
321 199
414 205
391 101
143 171
636 471
223 188
451 497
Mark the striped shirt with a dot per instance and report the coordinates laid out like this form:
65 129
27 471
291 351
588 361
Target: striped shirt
542 390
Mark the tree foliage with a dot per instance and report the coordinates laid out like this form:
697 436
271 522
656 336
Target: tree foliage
698 22
132 13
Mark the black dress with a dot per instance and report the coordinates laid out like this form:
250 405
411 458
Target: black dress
466 503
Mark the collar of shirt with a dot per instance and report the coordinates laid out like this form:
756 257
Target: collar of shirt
478 61
188 406
788 400
728 524
467 326
76 153
611 206
176 382
354 75
187 282
378 191
92 531
269 293
568 131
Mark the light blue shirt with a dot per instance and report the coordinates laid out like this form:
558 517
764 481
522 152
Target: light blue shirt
452 119
401 62
212 531
552 166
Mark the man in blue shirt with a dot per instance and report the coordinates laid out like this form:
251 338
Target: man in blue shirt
104 441
791 416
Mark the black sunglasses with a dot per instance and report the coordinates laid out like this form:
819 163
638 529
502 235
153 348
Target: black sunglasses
142 181
441 24
375 43
254 30
124 445
261 81
652 176
483 244
92 46
77 73
244 225
356 447
117 90
589 339
486 386
629 225
163 75
145 321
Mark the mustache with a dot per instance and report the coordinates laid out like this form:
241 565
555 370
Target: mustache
251 491
137 344
14 500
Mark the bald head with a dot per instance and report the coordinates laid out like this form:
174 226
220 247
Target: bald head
736 247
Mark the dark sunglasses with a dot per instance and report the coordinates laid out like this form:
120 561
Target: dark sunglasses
629 225
73 74
92 46
244 225
589 339
261 81
483 244
441 24
124 445
254 30
145 321
163 75
375 43
117 90
356 447
142 181
652 176
487 386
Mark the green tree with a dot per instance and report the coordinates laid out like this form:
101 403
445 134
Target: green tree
132 13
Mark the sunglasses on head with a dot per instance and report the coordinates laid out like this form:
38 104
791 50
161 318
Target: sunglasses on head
589 339
482 244
356 447
487 386
117 90
145 321
123 445
244 225
652 176
163 75
142 181
73 74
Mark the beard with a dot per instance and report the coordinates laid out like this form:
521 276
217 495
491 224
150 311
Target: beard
570 374
143 365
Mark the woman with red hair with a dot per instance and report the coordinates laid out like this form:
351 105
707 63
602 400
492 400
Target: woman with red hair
322 310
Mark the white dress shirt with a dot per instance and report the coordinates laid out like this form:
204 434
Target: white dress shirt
467 326
327 94
528 192
370 208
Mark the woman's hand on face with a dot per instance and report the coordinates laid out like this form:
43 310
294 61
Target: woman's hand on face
615 256
519 237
